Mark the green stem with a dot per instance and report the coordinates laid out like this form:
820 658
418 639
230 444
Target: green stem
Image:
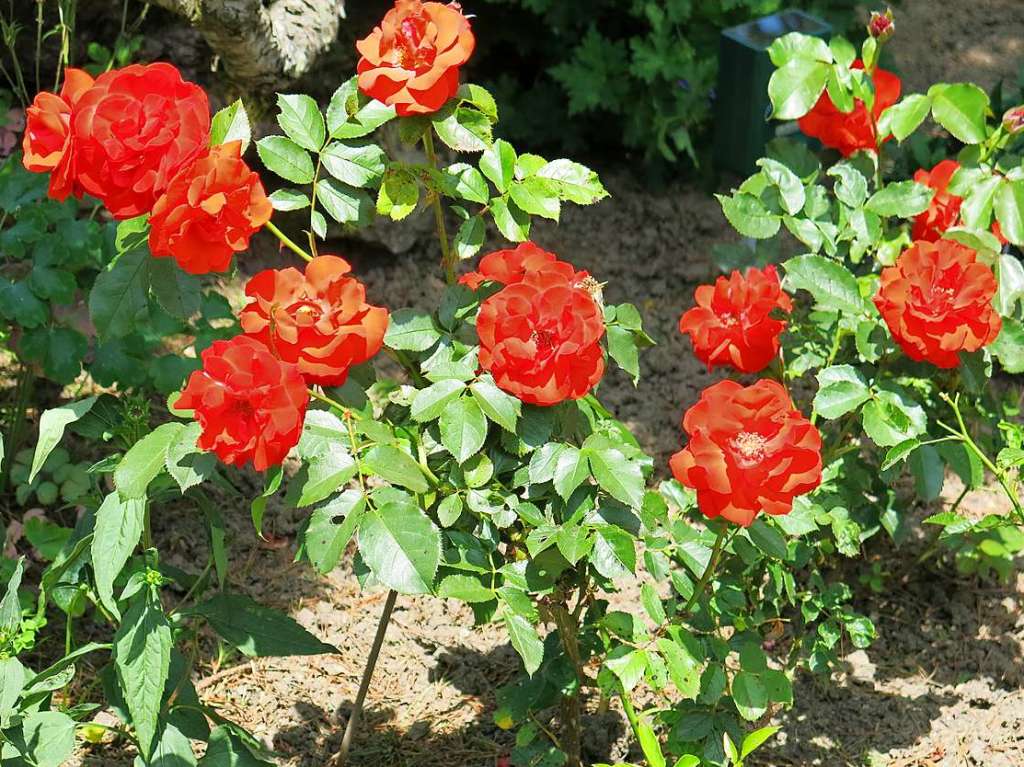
447 262
716 554
287 242
572 708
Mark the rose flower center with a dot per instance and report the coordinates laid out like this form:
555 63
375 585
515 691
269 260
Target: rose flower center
750 446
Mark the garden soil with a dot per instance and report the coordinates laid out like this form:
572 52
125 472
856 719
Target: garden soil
942 686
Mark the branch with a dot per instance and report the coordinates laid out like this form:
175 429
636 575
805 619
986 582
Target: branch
263 46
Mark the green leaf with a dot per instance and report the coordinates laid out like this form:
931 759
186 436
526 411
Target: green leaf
142 659
50 736
466 182
226 749
356 165
498 163
571 469
756 739
13 679
185 463
19 303
258 631
904 118
363 120
833 285
401 546
463 428
841 389
961 110
343 203
927 468
429 403
396 466
399 194
300 118
119 299
795 87
899 452
118 529
510 219
768 539
1009 209
904 199
463 129
10 606
231 124
573 182
287 159
791 189
1009 346
289 199
614 553
622 348
525 640
851 187
500 406
890 418
979 199
411 330
628 666
51 430
60 351
326 473
683 668
621 478
798 46
749 216
749 696
174 749
536 196
145 460
177 291
325 539
465 588
1010 273
470 237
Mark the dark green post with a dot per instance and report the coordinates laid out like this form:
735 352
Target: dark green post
741 106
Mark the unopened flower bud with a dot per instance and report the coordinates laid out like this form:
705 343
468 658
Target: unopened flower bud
881 26
1013 120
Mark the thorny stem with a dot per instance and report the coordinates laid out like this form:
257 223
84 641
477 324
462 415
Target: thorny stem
341 758
572 709
447 263
287 242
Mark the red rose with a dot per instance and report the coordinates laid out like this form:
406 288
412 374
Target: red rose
47 143
513 265
540 338
250 404
209 211
851 131
133 130
749 451
319 321
944 210
732 323
411 61
937 302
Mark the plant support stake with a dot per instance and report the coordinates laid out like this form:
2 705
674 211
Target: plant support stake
341 758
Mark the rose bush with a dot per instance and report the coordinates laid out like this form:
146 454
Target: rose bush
489 471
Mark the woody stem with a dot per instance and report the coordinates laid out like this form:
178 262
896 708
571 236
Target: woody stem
287 242
442 232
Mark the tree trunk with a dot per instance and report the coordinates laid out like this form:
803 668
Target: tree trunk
264 46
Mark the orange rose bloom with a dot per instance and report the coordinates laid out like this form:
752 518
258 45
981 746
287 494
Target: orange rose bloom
47 143
133 130
937 302
250 405
209 211
850 132
319 320
944 210
540 337
411 61
732 323
750 450
513 265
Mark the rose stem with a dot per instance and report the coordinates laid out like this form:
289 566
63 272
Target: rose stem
442 233
287 242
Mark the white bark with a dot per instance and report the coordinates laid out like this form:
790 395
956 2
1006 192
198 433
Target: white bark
264 46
